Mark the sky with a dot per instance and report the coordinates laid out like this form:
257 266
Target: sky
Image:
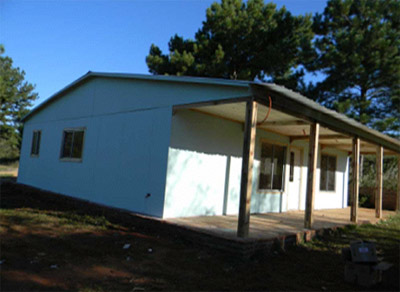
56 42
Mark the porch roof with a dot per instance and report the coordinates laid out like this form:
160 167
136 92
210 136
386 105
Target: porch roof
299 106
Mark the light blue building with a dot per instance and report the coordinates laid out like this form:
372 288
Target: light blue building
173 146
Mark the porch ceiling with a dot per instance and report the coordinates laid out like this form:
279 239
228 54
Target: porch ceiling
286 125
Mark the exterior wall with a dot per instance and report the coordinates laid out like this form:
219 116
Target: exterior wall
124 159
204 169
126 140
326 199
133 159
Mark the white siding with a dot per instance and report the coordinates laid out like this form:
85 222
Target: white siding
204 151
204 169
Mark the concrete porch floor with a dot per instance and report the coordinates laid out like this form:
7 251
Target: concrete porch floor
268 226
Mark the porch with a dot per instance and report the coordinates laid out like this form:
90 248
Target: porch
275 226
311 128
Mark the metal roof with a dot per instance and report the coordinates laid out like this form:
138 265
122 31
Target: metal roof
282 98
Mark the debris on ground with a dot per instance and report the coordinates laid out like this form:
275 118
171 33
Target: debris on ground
126 246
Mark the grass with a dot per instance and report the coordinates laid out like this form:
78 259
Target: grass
66 220
386 235
48 245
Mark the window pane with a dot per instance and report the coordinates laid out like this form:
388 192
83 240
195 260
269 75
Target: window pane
39 134
331 172
265 167
78 144
279 158
324 168
291 171
33 146
66 151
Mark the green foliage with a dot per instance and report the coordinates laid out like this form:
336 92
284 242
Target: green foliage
241 41
16 95
368 175
358 48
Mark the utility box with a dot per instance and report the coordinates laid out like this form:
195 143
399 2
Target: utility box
363 252
361 264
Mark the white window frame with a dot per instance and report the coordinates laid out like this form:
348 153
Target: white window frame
71 159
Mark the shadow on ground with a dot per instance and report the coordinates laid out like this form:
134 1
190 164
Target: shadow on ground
53 243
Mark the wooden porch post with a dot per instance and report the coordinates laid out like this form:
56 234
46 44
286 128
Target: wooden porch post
311 174
356 179
398 185
247 169
379 182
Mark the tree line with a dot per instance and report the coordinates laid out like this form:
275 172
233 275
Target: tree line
352 49
347 58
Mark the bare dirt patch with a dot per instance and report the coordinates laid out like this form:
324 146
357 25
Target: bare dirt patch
55 243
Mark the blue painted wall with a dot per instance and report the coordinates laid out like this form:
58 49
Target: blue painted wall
126 141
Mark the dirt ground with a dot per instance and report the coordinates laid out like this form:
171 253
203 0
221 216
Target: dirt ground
54 243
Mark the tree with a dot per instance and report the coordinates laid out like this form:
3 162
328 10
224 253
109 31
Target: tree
16 95
240 41
358 47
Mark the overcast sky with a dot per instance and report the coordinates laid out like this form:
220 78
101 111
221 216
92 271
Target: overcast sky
56 42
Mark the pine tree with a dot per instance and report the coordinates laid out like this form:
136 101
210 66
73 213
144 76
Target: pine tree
16 95
358 48
239 40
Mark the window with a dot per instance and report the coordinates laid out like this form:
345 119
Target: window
328 171
291 169
35 143
271 168
72 145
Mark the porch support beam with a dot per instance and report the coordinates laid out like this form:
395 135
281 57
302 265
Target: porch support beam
247 169
311 174
379 182
356 179
398 185
321 137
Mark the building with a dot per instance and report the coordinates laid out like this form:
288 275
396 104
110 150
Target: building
182 146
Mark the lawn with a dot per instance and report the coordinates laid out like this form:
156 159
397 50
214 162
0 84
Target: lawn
50 243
